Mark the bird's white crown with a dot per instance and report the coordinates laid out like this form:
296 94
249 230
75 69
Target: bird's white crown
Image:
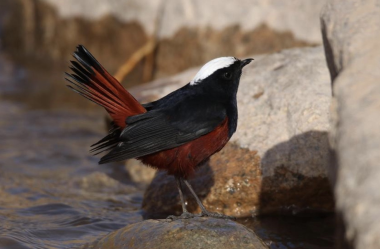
211 66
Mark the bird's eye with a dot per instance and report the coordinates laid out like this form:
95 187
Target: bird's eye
227 75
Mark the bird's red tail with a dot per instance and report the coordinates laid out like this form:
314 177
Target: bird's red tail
93 82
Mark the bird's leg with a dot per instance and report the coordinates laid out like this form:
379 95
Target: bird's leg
179 186
204 210
185 214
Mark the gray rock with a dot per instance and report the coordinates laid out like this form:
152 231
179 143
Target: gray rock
278 157
193 233
351 30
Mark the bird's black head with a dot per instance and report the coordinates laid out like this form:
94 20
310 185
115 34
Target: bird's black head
220 77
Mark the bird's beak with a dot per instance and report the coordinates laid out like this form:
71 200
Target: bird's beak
245 62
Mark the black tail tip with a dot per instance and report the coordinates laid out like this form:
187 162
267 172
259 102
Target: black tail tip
82 50
87 57
80 47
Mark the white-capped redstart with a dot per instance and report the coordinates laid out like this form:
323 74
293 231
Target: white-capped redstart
176 133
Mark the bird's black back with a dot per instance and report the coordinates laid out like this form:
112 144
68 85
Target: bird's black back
182 116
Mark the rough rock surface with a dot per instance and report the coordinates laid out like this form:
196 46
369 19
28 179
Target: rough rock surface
351 30
194 233
277 159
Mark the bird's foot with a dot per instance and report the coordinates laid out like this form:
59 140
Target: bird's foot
217 215
184 215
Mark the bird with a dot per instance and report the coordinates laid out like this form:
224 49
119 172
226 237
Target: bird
177 133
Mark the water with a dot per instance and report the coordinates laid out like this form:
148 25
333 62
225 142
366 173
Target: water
283 232
53 194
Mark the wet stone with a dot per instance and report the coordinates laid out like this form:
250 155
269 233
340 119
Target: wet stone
187 233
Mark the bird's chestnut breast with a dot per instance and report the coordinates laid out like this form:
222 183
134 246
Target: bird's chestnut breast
183 160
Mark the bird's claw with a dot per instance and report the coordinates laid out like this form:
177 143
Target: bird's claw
217 215
185 215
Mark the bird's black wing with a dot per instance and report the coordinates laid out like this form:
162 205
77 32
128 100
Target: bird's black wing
170 99
164 129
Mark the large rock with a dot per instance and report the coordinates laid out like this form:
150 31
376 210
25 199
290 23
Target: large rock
351 30
277 159
193 233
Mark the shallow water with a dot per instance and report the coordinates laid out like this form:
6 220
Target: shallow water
282 232
53 194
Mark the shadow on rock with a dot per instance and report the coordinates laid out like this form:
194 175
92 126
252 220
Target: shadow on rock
295 176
